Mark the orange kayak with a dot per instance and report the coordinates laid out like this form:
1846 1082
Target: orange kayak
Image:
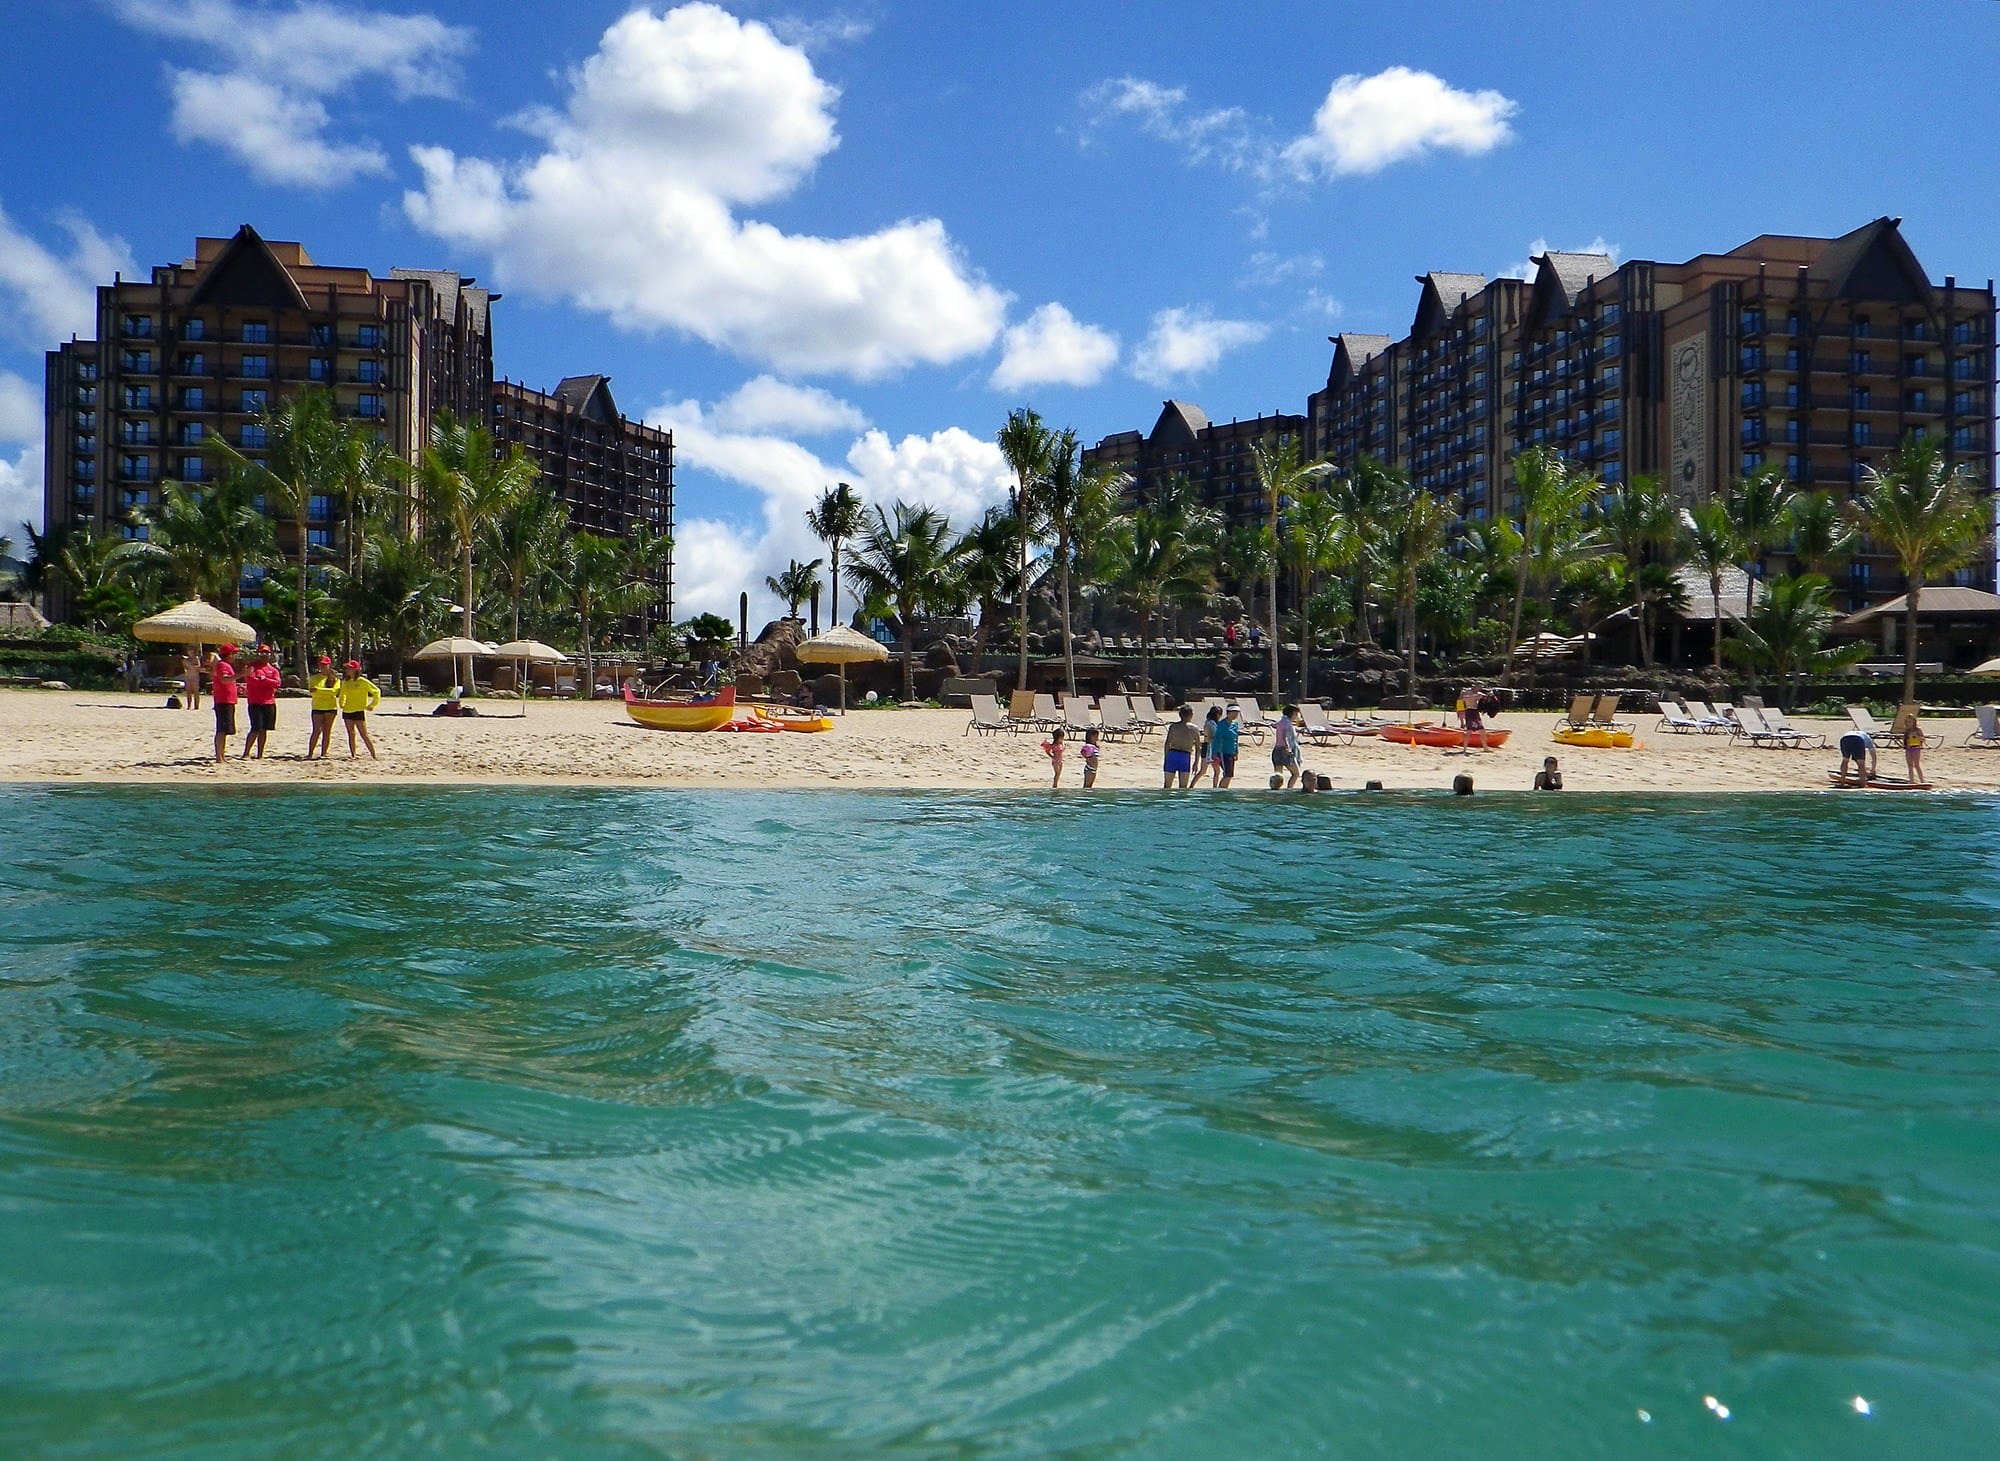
1429 733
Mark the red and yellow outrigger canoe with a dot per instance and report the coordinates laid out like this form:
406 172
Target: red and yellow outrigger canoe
705 712
1430 733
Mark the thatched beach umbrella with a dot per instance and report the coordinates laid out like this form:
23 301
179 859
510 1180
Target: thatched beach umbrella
529 652
1991 667
196 623
841 647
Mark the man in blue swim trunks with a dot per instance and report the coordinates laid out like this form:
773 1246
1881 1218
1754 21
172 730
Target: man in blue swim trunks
1183 739
1858 747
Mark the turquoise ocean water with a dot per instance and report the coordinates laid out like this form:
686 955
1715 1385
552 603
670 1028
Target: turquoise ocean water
538 1124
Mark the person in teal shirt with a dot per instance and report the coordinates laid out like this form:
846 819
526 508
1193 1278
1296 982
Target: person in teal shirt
1224 743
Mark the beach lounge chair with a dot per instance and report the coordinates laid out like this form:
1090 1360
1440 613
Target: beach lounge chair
1313 721
1753 725
987 717
1864 721
1076 714
1715 720
1986 734
1604 713
1145 714
1676 717
1021 711
1777 724
1047 714
1115 714
1578 717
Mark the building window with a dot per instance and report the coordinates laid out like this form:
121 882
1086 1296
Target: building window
1752 460
1863 433
1962 438
1753 393
139 327
194 398
319 537
1860 362
135 468
193 433
318 369
371 372
138 398
319 335
1862 329
1753 357
256 332
254 437
253 401
369 407
319 507
1914 365
1792 359
139 362
192 365
1858 398
1753 322
1917 401
1962 333
192 469
257 367
1792 324
1966 367
1917 330
369 337
86 370
1961 404
1795 467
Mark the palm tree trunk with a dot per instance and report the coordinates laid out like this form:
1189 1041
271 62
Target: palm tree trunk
1520 602
1146 651
1910 642
1273 604
1069 649
1715 593
910 653
1645 635
1021 526
589 659
299 609
1406 614
834 612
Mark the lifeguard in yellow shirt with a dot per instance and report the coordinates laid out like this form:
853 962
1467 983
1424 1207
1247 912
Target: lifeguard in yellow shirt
357 696
325 688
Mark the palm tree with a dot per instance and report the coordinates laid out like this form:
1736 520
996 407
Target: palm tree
1711 542
1365 496
599 579
799 582
1413 533
1317 540
1922 511
370 491
95 573
1064 488
1784 631
649 554
1822 539
1283 476
308 451
838 517
1027 445
1554 498
1166 561
1639 526
463 484
986 558
399 593
909 562
201 538
1092 527
1759 505
525 540
1243 558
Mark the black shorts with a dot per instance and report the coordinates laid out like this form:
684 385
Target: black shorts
225 720
1228 764
263 718
354 717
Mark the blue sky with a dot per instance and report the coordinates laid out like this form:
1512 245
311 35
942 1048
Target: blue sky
852 236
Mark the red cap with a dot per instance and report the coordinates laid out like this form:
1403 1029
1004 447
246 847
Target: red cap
353 664
326 660
226 650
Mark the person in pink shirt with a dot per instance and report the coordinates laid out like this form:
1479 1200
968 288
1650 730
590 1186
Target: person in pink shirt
260 694
223 691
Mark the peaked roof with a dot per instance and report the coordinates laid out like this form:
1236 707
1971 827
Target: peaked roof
246 273
1700 600
588 395
1872 262
1441 295
1179 419
1560 278
449 285
1350 353
1939 601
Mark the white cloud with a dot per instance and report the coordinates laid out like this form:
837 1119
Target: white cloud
21 495
266 104
1053 347
279 136
842 28
1266 268
20 410
47 295
673 123
716 558
1525 268
765 403
1368 123
1185 343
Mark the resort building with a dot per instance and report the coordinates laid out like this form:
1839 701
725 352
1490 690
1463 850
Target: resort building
1215 457
204 348
612 473
1816 355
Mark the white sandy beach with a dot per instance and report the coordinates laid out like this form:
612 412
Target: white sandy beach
68 736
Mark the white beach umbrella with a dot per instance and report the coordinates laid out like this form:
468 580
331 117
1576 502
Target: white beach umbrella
841 647
456 647
1991 667
529 652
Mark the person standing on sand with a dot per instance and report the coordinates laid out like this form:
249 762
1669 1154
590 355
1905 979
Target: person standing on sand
1053 749
223 690
358 696
1223 744
325 690
1183 740
1285 746
260 699
1204 754
1090 751
1858 747
1913 752
191 677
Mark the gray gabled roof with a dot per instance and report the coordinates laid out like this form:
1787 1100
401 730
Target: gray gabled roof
1454 289
1574 272
1939 601
578 392
1872 261
1178 416
1361 348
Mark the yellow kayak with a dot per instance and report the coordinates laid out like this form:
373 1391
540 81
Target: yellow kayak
793 720
1594 735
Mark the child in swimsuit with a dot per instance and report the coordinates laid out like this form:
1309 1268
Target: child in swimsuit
1053 749
1913 753
1089 752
